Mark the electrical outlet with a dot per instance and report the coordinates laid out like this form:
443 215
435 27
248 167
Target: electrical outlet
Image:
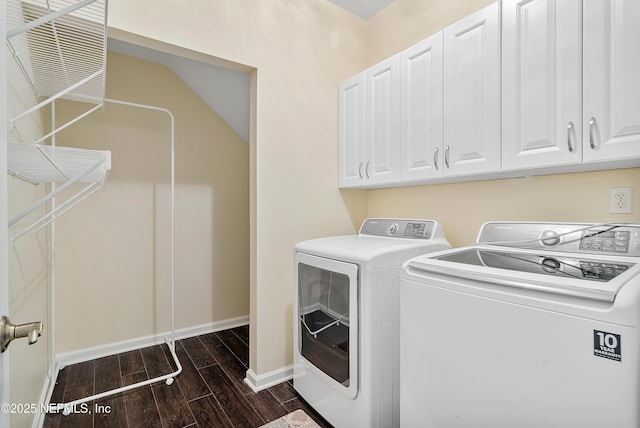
621 200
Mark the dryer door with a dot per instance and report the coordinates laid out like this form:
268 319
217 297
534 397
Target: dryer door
327 319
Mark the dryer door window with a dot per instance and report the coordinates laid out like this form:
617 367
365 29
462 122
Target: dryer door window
327 312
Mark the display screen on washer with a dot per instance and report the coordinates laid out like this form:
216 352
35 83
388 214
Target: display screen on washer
534 263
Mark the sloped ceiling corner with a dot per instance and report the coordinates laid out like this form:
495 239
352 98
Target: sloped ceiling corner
227 92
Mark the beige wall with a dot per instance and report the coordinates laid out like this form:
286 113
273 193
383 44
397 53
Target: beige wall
27 261
113 250
301 49
463 207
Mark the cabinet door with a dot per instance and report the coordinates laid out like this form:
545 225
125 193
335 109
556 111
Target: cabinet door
472 94
421 110
382 122
542 83
611 120
351 156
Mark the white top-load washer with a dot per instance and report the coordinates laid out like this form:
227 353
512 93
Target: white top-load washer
344 318
536 325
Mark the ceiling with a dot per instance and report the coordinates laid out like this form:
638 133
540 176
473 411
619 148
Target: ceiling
226 92
364 8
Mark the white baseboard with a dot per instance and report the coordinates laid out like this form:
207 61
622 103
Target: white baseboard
45 395
259 382
73 357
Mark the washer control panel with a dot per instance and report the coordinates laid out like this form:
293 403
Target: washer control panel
398 228
622 239
610 241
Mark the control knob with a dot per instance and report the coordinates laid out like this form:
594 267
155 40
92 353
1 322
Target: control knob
550 265
549 238
392 229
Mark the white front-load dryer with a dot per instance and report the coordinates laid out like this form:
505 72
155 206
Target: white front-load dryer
344 316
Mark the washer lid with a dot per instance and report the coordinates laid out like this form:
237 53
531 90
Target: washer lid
561 265
569 274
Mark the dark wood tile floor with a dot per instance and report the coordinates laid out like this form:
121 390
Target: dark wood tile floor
210 391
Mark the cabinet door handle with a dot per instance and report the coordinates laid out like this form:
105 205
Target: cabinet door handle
446 156
366 169
435 158
571 136
594 132
360 169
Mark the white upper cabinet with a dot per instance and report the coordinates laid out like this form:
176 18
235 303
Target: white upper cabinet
421 91
519 87
571 92
542 84
472 94
382 127
351 132
611 124
369 132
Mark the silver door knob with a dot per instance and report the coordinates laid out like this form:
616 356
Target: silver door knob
10 331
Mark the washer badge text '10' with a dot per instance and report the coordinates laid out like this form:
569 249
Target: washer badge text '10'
607 345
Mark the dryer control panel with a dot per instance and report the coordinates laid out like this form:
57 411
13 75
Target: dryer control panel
398 228
621 239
